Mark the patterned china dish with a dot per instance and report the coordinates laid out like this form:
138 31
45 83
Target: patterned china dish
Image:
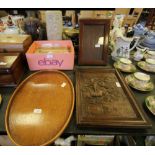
149 55
148 41
140 81
147 65
125 65
150 103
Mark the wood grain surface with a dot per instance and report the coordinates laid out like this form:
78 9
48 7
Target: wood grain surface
12 72
104 99
40 108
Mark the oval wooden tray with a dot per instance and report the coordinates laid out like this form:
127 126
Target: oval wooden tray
40 108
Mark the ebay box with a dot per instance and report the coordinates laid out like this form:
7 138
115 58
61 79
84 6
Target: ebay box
51 55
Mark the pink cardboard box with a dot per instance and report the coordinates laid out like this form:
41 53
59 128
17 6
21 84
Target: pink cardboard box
57 60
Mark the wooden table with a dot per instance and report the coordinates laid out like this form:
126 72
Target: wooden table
72 127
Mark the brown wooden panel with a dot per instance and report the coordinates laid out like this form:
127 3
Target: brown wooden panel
104 99
90 32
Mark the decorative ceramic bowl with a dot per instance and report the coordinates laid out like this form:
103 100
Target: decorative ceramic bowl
125 65
150 104
140 81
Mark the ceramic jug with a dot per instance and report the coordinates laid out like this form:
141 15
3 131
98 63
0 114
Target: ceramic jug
122 47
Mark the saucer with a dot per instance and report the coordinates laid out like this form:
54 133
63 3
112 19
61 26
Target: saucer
149 55
125 68
150 61
141 85
146 67
151 52
150 104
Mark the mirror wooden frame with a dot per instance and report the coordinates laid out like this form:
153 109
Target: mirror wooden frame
106 28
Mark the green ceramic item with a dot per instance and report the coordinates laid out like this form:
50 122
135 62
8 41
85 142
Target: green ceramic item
138 84
144 66
125 68
150 104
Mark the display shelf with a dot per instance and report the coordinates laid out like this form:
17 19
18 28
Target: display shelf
72 128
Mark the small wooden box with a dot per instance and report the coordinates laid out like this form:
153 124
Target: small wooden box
14 43
11 69
94 39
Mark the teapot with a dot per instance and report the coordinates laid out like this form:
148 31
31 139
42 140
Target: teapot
139 30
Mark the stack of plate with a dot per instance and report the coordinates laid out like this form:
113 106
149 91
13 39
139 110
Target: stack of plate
147 65
150 103
140 81
148 42
125 65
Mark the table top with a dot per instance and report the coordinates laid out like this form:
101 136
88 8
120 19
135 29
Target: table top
72 128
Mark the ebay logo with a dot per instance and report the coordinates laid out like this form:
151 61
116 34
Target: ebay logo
52 62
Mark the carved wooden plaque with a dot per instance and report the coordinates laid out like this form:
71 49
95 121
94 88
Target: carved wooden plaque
94 38
104 99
